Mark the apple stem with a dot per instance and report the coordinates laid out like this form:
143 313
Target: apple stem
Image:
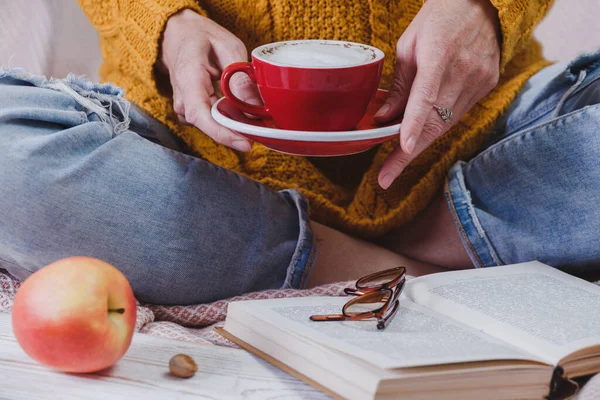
117 310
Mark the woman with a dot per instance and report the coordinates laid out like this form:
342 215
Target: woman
83 175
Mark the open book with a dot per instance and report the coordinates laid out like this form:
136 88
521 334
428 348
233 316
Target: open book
507 332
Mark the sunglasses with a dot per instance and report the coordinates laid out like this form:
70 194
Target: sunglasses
376 297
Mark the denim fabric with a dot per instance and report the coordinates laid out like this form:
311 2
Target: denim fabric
534 190
81 174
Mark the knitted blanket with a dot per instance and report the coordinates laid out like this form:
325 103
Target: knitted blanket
195 323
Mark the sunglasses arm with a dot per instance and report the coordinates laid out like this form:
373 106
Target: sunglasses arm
331 317
354 292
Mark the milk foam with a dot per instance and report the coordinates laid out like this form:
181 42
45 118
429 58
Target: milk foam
318 55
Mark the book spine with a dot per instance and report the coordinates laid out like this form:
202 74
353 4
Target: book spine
561 387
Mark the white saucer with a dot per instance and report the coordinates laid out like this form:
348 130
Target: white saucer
309 143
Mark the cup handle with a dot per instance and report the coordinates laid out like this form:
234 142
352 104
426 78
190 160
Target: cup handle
248 69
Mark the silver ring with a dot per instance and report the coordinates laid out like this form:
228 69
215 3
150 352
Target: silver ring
445 113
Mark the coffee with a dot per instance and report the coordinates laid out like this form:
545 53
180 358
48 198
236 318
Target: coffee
318 54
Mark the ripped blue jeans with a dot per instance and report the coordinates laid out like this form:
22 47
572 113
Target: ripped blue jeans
533 192
83 172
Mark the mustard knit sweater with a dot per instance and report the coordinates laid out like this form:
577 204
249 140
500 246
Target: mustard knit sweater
343 191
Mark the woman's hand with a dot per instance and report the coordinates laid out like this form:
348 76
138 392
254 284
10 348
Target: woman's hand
195 50
449 56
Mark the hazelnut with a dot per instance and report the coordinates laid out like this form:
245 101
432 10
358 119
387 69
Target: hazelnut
182 365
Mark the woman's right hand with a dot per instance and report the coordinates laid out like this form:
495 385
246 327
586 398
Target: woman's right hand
195 50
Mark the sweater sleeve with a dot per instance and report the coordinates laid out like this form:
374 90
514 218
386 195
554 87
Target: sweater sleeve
518 18
130 33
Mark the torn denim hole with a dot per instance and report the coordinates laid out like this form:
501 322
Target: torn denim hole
585 62
96 98
568 93
91 98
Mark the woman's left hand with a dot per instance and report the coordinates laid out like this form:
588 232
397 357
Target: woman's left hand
449 56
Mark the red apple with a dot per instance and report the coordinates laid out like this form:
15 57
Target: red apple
75 315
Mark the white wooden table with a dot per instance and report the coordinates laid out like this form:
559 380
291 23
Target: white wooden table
223 373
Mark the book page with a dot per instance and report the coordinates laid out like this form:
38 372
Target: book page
415 337
531 305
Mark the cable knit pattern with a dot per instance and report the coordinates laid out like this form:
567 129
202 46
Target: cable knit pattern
343 191
515 20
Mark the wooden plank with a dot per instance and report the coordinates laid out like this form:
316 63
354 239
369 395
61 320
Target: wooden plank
223 373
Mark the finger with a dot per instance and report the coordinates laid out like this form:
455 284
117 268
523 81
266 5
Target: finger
423 95
397 97
232 51
178 105
217 89
200 117
229 50
181 118
198 97
245 89
399 158
434 127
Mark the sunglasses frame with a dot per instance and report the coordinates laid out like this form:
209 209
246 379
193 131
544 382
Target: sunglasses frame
388 291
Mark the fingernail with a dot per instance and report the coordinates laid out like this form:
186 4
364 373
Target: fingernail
387 180
241 145
382 111
409 146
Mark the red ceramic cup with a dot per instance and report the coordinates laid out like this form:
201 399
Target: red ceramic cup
314 97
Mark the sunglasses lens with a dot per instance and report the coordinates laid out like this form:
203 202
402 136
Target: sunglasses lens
380 278
367 303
